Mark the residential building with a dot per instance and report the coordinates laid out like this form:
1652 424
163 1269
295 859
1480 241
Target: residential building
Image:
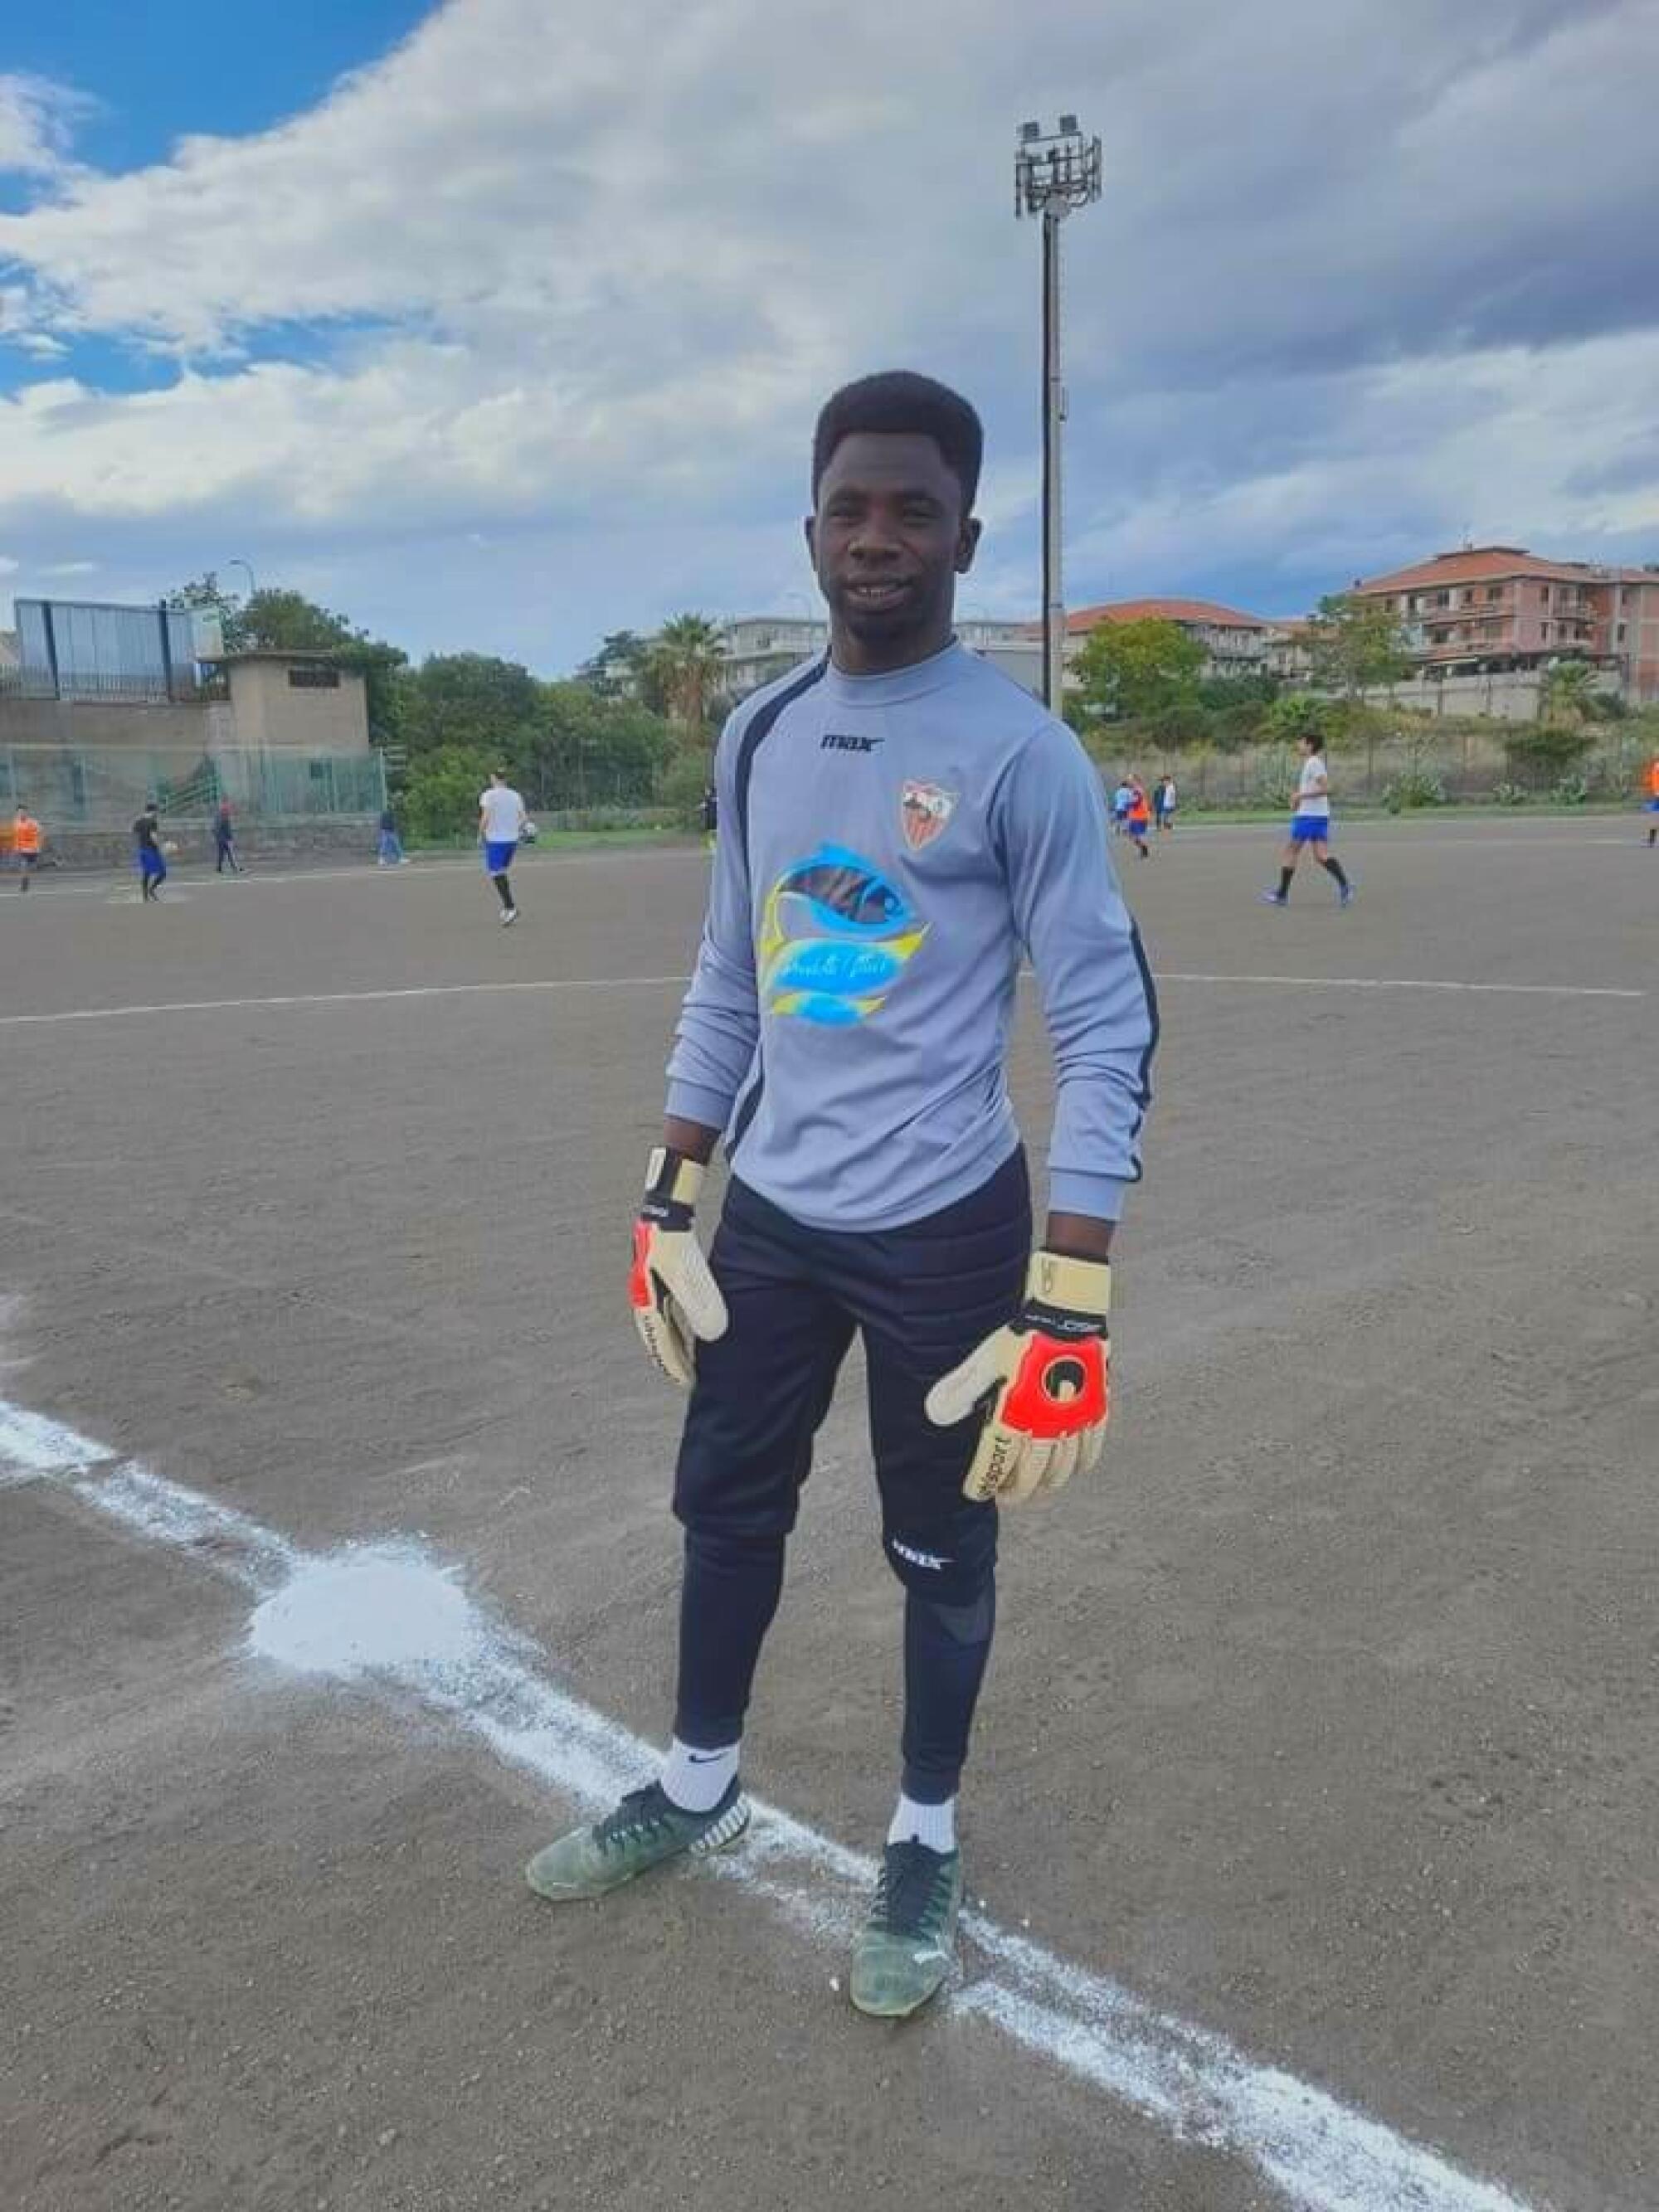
1235 644
758 648
1492 610
1288 655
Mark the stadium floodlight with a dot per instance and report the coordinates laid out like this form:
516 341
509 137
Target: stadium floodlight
1053 176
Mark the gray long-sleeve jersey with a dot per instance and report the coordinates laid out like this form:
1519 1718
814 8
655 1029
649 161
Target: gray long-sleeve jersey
888 845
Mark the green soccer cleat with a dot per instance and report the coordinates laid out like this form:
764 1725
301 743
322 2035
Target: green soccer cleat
907 1945
646 1828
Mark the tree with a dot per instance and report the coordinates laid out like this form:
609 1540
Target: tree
590 751
1138 668
1299 714
1568 693
203 594
1354 643
688 663
617 670
476 701
440 798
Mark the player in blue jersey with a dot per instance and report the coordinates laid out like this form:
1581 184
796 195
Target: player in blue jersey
898 823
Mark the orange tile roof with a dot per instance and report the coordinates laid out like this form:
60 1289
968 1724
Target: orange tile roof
1488 564
1200 611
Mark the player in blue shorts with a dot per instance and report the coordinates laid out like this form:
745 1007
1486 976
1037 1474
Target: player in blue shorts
146 852
896 821
500 825
1310 829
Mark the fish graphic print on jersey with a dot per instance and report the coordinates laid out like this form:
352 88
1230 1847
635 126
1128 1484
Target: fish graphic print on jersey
894 843
834 937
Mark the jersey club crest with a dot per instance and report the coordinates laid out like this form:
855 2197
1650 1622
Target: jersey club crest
924 810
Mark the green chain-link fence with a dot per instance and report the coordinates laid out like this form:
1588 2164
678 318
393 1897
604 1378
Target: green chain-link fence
101 787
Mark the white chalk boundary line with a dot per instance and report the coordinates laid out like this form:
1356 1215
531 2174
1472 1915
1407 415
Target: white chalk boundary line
435 1644
1409 983
662 982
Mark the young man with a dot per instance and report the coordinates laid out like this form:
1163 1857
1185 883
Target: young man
1653 802
1310 826
1164 800
151 861
500 825
1138 822
897 822
25 840
1121 798
391 851
224 841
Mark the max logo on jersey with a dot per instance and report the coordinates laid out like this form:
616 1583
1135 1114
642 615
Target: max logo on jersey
835 936
924 810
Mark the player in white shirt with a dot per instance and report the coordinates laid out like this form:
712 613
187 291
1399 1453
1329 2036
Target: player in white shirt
1310 825
500 825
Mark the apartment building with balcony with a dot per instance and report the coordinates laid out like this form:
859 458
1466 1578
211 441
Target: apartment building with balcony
1235 644
755 649
1491 609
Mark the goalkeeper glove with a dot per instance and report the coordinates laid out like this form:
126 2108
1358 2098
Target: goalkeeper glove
676 1300
1047 1377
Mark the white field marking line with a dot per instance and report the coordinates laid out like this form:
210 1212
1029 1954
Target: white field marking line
1408 984
343 998
662 982
387 1615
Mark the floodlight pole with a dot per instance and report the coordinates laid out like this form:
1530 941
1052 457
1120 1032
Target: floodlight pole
1051 176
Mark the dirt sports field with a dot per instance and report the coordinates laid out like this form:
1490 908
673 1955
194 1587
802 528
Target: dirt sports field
1314 1808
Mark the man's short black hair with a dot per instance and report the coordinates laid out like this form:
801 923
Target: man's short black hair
898 401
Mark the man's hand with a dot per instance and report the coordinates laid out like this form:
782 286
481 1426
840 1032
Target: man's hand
676 1300
1047 1377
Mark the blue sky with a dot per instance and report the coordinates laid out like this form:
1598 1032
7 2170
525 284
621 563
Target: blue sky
503 326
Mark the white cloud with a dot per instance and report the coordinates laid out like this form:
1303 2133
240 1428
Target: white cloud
1354 273
36 125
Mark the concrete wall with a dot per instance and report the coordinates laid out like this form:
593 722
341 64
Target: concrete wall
177 728
269 709
1512 697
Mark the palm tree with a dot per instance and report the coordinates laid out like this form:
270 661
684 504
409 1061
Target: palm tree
688 663
1567 692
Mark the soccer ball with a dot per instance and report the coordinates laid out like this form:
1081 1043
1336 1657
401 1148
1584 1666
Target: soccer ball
170 847
528 833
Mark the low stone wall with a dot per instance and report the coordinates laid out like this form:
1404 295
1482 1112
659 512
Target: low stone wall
341 838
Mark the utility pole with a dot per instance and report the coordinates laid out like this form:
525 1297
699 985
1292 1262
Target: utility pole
1054 172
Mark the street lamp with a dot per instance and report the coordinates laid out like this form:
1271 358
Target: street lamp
1054 172
252 588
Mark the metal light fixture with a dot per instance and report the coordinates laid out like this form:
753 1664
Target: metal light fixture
1053 176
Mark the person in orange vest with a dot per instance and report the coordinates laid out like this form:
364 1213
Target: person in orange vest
25 843
1138 819
1653 801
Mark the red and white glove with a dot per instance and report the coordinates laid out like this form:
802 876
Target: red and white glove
675 1301
1046 1376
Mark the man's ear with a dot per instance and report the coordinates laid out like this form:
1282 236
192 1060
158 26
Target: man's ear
968 544
810 529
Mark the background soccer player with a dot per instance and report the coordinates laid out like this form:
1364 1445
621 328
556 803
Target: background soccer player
898 822
25 843
146 849
1310 826
500 825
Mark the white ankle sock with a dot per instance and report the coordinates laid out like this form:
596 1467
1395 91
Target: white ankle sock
697 1780
933 1824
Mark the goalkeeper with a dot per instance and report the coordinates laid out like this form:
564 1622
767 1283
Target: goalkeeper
897 821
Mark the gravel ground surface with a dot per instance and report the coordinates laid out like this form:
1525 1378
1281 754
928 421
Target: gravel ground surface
1322 1718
